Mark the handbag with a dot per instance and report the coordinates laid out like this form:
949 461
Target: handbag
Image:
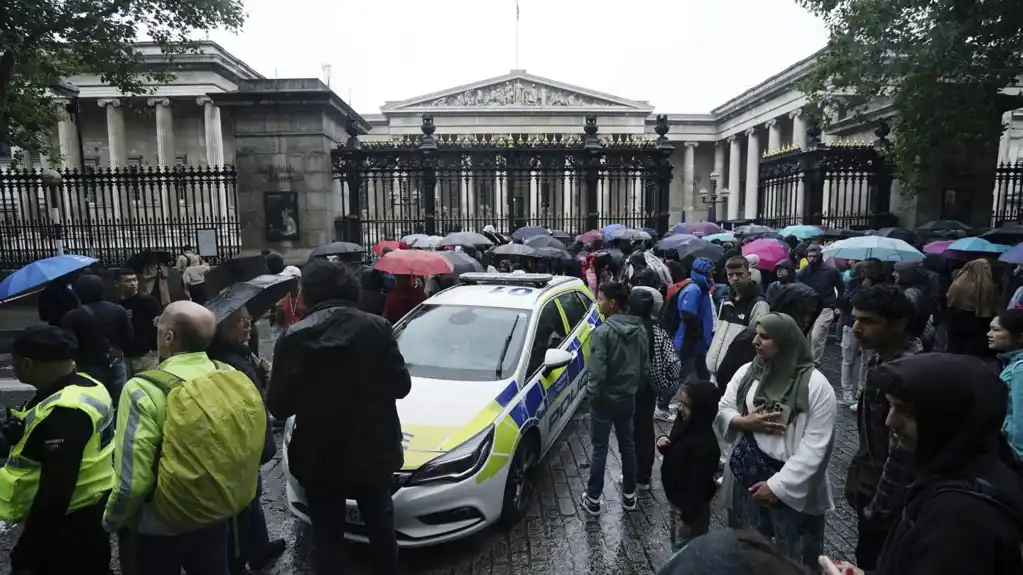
749 464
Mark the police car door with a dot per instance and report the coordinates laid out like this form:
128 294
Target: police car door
551 333
577 309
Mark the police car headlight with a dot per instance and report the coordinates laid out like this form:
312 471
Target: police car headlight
289 428
459 463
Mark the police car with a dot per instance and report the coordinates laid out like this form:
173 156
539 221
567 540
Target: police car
498 368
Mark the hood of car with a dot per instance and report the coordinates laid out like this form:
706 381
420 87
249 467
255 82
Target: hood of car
439 415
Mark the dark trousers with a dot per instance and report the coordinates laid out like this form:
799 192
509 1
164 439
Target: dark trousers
694 364
249 537
199 552
328 512
643 427
79 544
604 417
871 535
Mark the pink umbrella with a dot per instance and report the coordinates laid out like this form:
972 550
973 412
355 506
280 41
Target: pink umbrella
769 250
938 247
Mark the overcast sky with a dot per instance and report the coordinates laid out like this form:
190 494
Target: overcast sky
683 56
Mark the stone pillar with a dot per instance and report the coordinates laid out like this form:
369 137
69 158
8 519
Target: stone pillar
67 135
798 128
752 173
773 135
719 169
116 148
164 145
214 148
734 176
688 177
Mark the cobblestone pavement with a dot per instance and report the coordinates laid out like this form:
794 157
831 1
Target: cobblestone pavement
556 536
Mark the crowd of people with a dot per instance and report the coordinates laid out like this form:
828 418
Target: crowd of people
118 439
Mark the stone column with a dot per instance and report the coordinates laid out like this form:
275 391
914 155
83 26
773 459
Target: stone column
164 145
719 168
214 146
116 148
734 176
688 176
798 128
752 173
67 135
773 135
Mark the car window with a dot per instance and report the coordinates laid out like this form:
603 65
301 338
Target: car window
462 343
550 333
575 311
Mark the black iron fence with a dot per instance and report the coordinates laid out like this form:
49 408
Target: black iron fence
1007 205
835 186
441 184
112 214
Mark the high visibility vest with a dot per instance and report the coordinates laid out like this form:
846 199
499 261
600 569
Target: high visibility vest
19 478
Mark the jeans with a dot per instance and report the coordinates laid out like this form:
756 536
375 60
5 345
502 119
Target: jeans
199 552
854 364
819 333
328 510
697 364
249 536
602 419
643 427
799 536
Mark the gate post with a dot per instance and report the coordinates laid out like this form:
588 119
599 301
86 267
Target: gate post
881 195
812 169
591 167
428 147
664 174
348 164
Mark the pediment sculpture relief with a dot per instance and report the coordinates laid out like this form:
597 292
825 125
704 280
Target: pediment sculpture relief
516 93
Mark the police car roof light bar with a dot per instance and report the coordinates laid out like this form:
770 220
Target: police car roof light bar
484 278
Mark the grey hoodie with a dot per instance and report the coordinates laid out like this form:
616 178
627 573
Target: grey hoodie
619 360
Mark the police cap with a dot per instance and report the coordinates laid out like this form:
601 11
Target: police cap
45 343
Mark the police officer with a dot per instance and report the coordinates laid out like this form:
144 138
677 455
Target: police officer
59 473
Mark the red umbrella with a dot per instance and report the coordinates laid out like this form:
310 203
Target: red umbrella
414 263
393 244
589 237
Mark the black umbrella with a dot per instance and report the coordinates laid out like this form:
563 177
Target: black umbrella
552 253
537 242
1009 234
470 239
565 237
900 234
750 229
340 249
139 261
523 234
513 250
259 294
233 271
463 262
698 248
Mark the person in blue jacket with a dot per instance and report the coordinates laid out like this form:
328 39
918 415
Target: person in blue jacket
1005 336
695 330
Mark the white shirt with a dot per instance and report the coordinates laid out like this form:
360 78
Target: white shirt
805 448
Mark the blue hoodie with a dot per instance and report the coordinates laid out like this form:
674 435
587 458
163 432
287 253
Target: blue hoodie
1012 375
695 310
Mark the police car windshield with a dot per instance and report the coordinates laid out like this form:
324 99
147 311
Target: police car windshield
462 343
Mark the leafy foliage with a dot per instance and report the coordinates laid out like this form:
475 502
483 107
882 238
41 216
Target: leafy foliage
42 41
940 63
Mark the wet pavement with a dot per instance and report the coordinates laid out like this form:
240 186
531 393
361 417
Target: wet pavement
556 536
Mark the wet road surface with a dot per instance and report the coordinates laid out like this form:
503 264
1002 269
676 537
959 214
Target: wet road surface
556 536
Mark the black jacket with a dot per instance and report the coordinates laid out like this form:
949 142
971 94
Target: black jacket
339 372
240 357
102 329
825 280
945 528
691 457
55 301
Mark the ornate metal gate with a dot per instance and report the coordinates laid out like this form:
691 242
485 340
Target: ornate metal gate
445 183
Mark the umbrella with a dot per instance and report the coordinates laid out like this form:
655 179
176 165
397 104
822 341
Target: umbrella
336 249
606 231
629 235
769 251
976 245
672 242
522 234
426 242
842 234
537 242
462 262
589 237
653 262
899 234
139 261
561 236
233 271
750 229
698 248
722 237
259 294
413 238
882 248
938 247
945 225
1010 234
1013 256
653 233
414 263
513 250
471 239
41 272
696 228
378 249
803 232
552 253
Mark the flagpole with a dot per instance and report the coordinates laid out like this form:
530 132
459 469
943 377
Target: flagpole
516 34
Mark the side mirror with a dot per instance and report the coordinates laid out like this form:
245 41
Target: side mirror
555 359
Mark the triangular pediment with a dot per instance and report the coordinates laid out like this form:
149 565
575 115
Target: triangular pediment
516 90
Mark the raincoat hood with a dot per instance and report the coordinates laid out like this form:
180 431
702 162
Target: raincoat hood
704 396
911 274
786 264
626 325
637 260
792 299
700 272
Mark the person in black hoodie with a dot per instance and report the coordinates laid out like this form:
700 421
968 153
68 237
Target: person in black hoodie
371 298
691 454
912 278
964 512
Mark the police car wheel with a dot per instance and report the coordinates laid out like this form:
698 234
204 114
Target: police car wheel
521 484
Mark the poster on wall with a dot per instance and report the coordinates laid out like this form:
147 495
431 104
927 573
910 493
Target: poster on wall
281 210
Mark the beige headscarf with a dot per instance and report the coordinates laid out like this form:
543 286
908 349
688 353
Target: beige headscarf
974 290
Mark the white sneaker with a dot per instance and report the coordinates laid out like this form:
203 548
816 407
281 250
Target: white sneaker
639 486
664 415
854 407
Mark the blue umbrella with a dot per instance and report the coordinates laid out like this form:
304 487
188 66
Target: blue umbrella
803 232
882 248
978 245
525 233
672 242
1013 256
41 272
722 237
606 231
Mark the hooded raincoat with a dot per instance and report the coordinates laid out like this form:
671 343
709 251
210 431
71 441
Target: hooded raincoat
695 310
619 360
691 457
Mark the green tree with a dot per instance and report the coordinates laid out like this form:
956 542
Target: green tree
941 64
42 41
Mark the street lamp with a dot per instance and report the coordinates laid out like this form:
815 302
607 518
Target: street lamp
711 198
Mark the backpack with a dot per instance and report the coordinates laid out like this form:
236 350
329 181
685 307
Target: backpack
213 439
670 318
981 489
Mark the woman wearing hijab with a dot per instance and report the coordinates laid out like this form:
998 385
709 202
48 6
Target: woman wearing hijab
778 414
972 304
